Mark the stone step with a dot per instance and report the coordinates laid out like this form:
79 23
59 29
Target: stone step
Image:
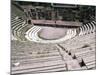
52 68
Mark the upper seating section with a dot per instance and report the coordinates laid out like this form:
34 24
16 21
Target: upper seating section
19 27
88 28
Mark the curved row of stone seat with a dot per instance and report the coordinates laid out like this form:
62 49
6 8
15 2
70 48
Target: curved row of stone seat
32 35
14 22
88 28
20 31
19 27
15 19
